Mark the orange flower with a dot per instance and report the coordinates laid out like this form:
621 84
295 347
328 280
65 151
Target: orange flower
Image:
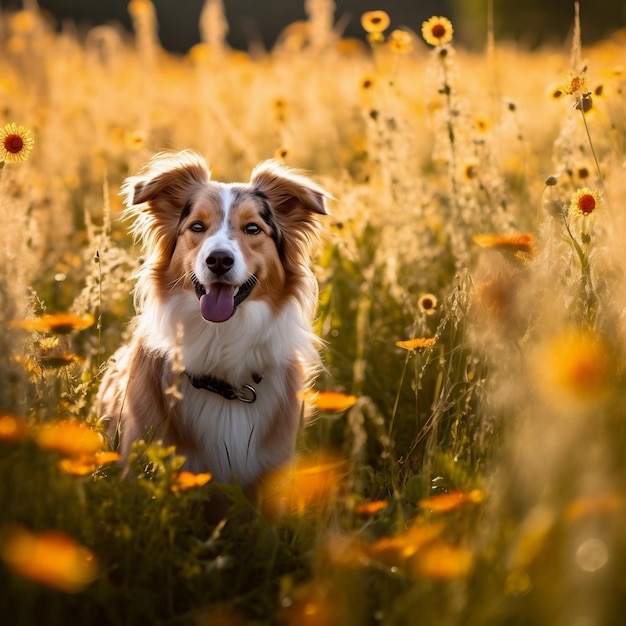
398 548
418 342
591 505
70 437
87 464
450 501
12 428
507 243
370 508
188 480
309 483
444 562
58 323
331 401
50 558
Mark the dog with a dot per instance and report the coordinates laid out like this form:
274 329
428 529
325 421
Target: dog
221 346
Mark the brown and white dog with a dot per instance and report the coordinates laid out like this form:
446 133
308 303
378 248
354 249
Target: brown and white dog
222 343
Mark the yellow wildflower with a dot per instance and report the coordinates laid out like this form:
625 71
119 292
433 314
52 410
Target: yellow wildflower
70 437
188 480
16 143
375 21
437 31
585 201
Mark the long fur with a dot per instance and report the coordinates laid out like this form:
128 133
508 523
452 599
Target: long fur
268 228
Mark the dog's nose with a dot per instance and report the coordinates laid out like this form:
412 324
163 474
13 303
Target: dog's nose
220 261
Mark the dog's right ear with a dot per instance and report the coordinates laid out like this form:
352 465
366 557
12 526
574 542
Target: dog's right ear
158 195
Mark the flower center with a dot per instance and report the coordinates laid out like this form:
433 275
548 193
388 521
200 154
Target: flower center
586 204
438 31
13 144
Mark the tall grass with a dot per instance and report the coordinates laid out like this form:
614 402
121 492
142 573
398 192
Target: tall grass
468 467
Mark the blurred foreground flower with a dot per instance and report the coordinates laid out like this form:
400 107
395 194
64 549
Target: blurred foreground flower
507 243
375 21
16 143
59 323
370 508
70 437
87 463
573 370
309 483
188 480
331 401
443 562
418 342
437 31
394 550
50 558
450 501
12 428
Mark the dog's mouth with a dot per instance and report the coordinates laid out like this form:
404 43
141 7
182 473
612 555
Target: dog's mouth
220 302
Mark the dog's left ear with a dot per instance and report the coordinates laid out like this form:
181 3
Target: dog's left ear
296 203
288 190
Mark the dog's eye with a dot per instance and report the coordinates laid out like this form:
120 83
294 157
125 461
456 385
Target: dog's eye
197 227
252 229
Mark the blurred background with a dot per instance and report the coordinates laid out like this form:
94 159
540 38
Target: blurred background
253 22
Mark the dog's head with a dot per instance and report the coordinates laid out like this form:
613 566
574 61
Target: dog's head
225 242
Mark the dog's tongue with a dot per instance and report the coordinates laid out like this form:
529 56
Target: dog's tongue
218 304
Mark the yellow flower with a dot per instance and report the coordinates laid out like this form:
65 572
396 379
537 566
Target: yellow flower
16 143
188 480
400 41
331 401
418 342
59 323
427 303
70 437
437 31
375 21
50 558
574 369
584 202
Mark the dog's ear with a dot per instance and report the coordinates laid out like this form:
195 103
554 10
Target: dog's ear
158 196
296 203
287 189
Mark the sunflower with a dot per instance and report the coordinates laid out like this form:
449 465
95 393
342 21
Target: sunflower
16 143
437 31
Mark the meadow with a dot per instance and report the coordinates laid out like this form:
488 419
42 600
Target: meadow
464 459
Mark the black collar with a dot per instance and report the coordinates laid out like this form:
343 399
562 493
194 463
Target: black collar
245 393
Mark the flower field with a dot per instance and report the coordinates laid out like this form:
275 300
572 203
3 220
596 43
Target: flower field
464 462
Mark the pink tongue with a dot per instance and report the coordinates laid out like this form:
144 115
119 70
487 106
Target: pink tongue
218 304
